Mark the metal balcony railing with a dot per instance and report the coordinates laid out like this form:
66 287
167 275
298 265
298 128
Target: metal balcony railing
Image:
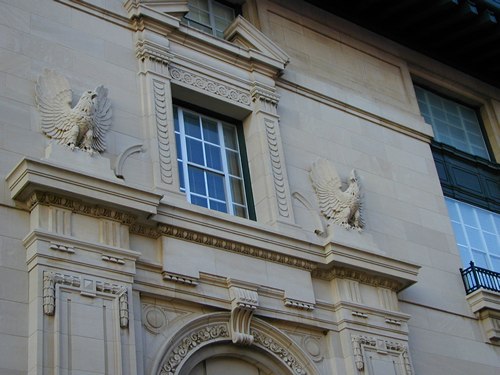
476 277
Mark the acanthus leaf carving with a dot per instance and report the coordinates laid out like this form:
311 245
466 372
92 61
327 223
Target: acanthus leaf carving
243 304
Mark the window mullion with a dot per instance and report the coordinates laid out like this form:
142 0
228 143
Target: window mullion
212 17
225 169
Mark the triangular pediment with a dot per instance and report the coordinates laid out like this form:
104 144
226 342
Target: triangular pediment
246 35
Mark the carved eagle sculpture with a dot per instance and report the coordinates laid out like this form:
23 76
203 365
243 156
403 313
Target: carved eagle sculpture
339 207
85 125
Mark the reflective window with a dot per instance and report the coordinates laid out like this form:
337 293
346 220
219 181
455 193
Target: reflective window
477 234
210 16
209 160
453 123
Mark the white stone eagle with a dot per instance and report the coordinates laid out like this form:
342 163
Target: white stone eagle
339 207
85 125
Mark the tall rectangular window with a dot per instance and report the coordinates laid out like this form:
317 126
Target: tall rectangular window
477 233
210 16
453 123
209 160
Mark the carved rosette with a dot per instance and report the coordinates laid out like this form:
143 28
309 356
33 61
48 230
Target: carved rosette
164 149
244 302
189 343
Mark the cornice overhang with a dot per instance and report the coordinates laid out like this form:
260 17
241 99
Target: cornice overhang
30 176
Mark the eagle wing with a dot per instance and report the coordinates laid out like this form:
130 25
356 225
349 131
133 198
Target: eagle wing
53 98
327 184
101 118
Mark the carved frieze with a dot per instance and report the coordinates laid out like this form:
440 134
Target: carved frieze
210 86
267 342
234 246
79 207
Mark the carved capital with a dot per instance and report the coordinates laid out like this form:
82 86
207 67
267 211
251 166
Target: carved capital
153 57
243 304
264 95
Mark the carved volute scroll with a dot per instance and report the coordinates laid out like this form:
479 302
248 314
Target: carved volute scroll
243 304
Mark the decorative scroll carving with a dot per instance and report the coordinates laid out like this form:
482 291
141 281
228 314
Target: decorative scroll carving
298 304
278 177
339 207
83 126
261 339
211 86
164 149
88 287
123 156
237 247
363 277
80 207
381 346
181 279
191 342
243 302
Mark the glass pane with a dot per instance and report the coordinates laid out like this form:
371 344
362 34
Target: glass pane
218 206
485 221
230 139
480 259
181 176
468 216
176 120
237 190
492 243
210 133
196 181
474 237
178 145
192 125
213 157
240 211
199 201
223 11
465 255
459 234
200 4
215 184
198 16
495 264
233 163
452 209
194 151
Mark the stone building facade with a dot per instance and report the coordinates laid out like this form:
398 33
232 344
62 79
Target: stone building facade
197 214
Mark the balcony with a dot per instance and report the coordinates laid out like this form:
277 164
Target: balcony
476 277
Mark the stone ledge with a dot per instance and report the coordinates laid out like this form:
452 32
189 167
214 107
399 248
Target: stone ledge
30 176
485 304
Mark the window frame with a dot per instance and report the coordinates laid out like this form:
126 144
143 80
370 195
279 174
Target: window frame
243 158
475 108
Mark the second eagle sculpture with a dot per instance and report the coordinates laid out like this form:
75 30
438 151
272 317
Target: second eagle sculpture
85 125
339 206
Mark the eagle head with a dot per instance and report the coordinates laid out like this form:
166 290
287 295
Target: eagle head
352 177
86 101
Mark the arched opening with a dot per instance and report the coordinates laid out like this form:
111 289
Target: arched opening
229 359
